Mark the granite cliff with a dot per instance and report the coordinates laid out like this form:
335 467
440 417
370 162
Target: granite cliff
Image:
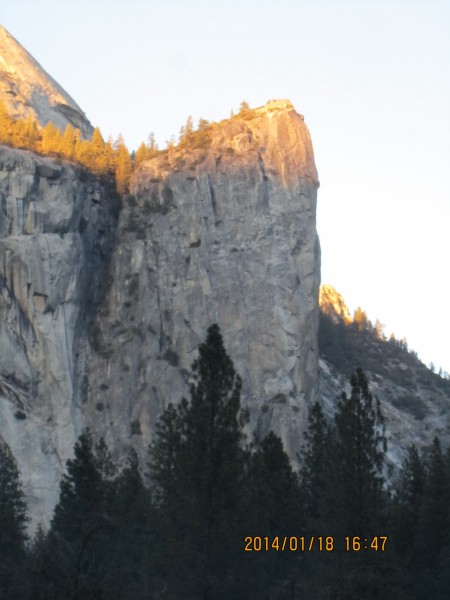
56 235
100 321
220 230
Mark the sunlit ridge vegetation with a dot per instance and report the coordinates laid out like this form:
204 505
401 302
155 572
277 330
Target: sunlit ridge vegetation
110 159
357 340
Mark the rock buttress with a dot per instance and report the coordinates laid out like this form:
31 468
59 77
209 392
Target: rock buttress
220 229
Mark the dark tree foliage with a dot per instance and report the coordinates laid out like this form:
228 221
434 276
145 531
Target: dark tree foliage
342 489
112 537
359 453
13 522
277 493
130 565
406 507
431 579
75 560
317 469
198 471
274 511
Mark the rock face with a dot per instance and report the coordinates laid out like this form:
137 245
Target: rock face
223 230
413 400
56 232
27 90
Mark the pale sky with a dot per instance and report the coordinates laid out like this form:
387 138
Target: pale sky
372 79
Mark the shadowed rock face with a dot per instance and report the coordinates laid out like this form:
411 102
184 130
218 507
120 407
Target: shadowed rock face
27 90
55 238
221 230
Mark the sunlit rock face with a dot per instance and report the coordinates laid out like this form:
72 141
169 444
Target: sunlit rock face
220 230
27 90
332 304
56 227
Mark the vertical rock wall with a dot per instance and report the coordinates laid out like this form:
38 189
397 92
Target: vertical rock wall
99 330
56 228
220 230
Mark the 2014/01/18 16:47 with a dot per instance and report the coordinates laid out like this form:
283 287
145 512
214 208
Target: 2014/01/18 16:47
313 543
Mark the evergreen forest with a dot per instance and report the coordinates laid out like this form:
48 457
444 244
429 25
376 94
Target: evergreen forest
213 514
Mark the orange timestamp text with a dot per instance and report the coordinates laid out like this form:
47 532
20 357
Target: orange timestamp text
329 543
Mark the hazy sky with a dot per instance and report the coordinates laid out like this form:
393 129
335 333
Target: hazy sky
371 78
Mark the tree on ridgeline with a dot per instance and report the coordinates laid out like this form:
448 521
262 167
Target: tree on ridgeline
123 166
49 139
360 319
146 151
141 154
5 125
69 140
186 132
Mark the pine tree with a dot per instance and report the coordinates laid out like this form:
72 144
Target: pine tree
110 157
13 521
141 155
407 503
434 528
130 553
99 159
49 143
317 470
353 500
277 488
360 319
32 133
186 132
81 523
5 125
359 454
274 511
123 167
68 142
19 138
197 467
